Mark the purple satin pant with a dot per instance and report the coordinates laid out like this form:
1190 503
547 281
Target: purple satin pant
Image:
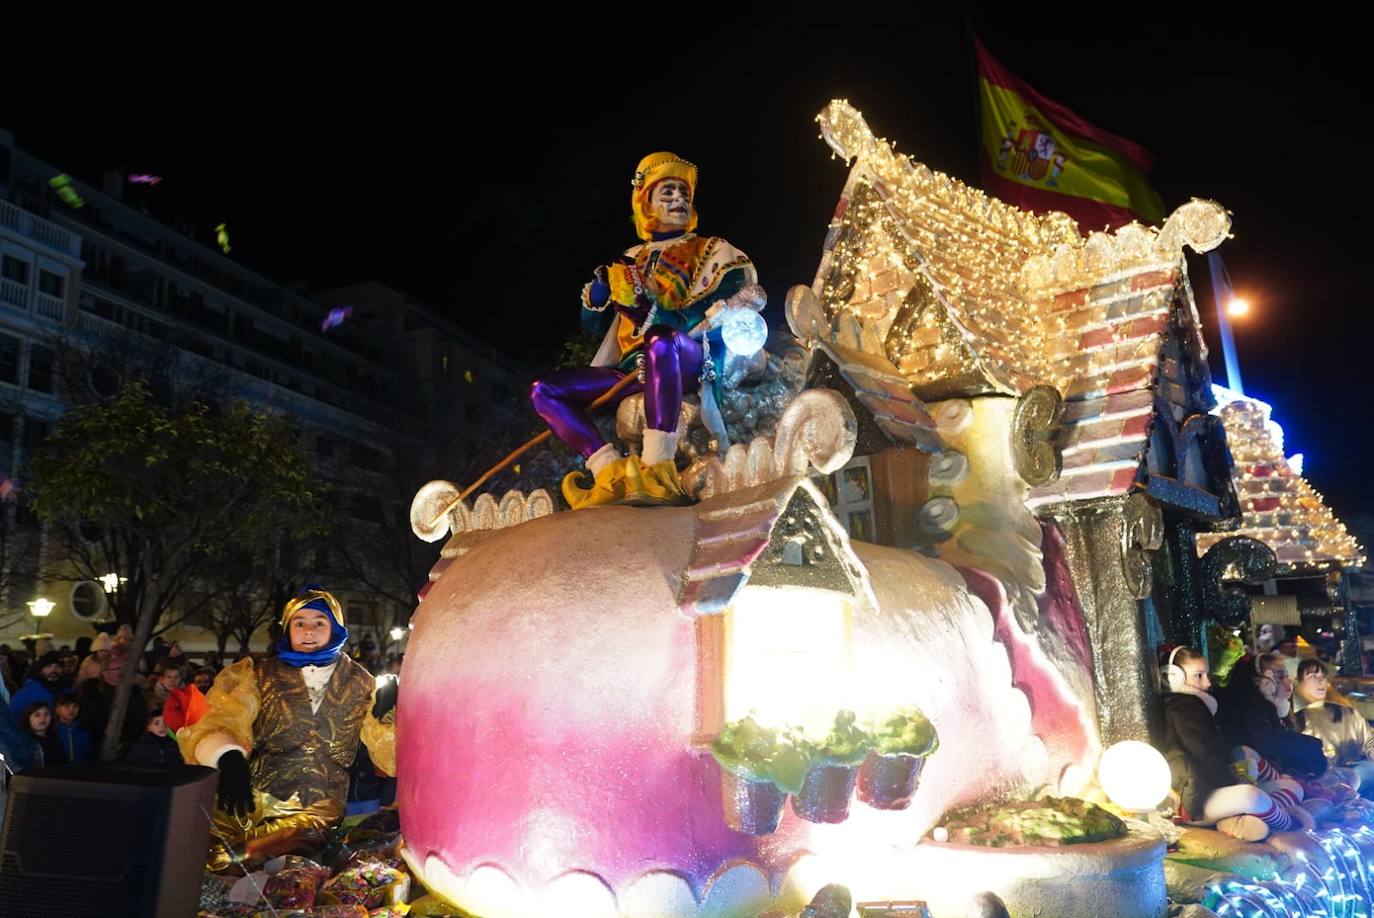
672 366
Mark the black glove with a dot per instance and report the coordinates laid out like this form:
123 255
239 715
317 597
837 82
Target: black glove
387 693
235 787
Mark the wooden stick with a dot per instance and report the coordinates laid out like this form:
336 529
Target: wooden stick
609 394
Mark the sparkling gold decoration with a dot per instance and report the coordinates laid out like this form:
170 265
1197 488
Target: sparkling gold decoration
1278 506
1037 415
1143 533
966 294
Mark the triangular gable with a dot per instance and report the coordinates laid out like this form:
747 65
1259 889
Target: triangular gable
778 533
887 412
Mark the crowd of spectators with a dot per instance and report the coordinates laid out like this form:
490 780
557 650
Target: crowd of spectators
58 699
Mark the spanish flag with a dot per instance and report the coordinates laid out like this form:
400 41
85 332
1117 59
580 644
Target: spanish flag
1040 156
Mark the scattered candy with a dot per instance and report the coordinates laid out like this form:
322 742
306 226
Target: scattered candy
222 237
372 884
336 317
295 886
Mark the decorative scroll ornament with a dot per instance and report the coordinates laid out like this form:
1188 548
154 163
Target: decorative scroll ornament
430 521
1032 427
818 430
1237 559
1142 532
805 314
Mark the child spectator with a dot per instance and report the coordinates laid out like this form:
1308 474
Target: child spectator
37 719
75 739
154 747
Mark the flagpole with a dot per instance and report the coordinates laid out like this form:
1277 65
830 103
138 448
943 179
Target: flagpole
1221 295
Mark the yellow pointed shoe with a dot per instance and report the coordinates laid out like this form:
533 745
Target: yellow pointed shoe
657 485
608 487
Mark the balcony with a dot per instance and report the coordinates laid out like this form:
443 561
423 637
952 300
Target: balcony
52 307
14 294
39 230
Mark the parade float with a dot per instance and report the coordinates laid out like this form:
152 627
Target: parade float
930 543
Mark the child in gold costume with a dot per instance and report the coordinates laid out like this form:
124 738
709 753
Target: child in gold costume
283 733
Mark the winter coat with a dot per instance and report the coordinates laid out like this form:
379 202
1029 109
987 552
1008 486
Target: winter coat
1198 754
1247 718
97 696
52 748
17 745
75 740
152 749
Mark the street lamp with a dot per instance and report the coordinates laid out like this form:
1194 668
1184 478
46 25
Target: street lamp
110 581
41 608
397 633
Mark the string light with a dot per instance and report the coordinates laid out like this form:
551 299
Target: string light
948 282
1279 507
1338 886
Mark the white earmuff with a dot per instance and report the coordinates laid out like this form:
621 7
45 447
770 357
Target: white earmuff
1174 676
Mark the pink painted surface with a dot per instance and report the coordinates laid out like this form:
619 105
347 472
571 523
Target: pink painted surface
549 695
1049 665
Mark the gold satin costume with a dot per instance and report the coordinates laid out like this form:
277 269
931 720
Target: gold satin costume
298 759
1345 742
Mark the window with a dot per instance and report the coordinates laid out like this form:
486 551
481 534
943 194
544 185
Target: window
50 283
9 359
6 444
87 600
15 269
41 377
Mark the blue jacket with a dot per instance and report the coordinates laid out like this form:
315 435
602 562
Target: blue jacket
17 745
32 690
75 740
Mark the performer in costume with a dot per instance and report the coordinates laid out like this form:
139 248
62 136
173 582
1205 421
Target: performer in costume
283 733
647 302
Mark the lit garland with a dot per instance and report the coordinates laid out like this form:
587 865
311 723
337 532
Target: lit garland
1278 506
948 282
1339 884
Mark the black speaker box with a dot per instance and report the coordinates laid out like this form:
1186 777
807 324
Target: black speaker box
106 840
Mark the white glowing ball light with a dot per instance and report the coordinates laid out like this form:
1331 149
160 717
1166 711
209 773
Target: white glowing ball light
1134 776
744 331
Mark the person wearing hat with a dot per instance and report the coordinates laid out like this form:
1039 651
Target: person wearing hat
45 678
283 732
647 302
91 666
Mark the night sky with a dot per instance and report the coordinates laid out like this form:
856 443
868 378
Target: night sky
486 171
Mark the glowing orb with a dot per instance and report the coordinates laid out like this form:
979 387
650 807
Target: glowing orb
744 331
1134 776
1237 307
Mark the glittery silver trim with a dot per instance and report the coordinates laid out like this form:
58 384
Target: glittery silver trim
824 795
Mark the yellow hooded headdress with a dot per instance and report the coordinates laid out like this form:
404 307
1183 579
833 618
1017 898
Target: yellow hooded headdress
654 168
316 599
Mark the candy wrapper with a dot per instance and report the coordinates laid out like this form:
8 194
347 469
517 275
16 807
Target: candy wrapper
214 892
390 911
372 884
295 884
340 911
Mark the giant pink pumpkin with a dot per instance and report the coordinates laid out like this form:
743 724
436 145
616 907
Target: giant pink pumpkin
550 691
